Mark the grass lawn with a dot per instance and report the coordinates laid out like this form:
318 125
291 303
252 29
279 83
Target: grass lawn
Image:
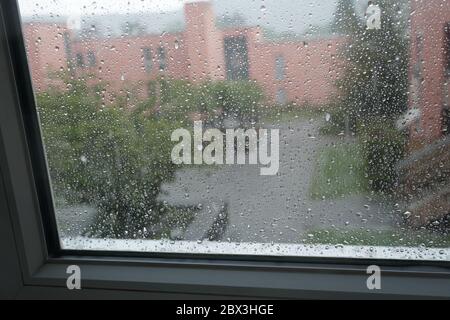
400 238
340 171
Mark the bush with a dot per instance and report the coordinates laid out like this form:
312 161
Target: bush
239 99
214 100
341 116
110 158
117 159
383 147
171 99
336 125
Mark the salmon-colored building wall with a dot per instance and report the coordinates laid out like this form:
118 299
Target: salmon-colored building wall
47 53
310 67
120 62
429 79
204 43
310 70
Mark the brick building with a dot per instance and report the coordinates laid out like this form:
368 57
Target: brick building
291 71
430 70
47 48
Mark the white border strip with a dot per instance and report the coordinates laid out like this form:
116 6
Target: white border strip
257 249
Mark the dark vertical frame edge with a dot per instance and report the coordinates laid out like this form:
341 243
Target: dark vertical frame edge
28 109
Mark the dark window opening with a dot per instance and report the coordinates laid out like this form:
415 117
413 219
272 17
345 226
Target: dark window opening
162 59
68 47
281 97
148 62
280 66
447 49
80 60
446 121
418 56
236 57
92 61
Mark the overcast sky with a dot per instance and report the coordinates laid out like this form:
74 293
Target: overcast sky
279 15
97 7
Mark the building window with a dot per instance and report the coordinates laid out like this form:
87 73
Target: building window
447 49
68 48
80 60
92 60
446 110
418 56
236 58
280 68
162 59
281 97
446 121
148 60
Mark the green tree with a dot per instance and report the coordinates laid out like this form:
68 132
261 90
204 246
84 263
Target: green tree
213 99
116 158
374 83
241 100
108 157
345 19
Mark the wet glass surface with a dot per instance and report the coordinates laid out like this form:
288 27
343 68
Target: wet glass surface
246 127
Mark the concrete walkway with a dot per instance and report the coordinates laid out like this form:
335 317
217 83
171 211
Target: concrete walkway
277 208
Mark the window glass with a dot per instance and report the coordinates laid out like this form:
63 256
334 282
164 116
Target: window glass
447 48
91 59
281 97
236 55
162 58
148 60
80 60
279 68
274 127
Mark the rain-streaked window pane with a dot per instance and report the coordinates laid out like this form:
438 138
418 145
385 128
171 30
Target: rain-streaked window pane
275 127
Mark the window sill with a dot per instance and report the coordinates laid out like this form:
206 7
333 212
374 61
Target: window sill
246 279
258 249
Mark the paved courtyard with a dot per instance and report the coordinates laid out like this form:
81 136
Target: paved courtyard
255 208
275 208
